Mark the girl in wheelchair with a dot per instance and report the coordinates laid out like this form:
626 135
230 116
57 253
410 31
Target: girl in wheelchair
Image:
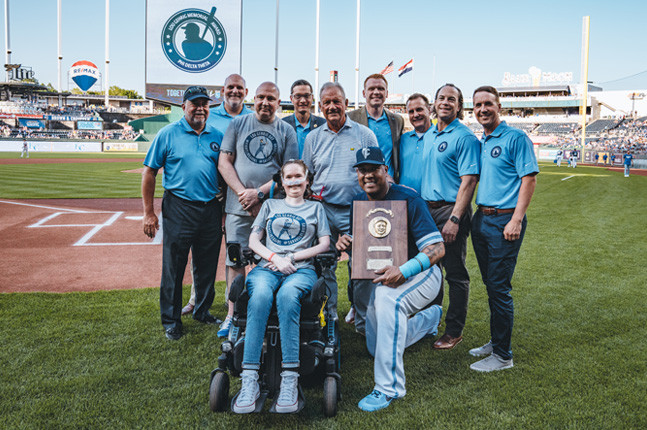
289 227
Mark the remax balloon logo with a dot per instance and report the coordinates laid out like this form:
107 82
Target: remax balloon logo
194 40
84 74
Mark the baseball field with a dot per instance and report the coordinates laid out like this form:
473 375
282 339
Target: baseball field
83 347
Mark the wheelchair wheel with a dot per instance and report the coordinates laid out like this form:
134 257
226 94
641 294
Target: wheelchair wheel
330 390
219 392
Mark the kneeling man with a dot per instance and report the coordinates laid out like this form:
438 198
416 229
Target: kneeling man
399 292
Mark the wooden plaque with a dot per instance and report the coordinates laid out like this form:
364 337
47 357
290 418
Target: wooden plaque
379 236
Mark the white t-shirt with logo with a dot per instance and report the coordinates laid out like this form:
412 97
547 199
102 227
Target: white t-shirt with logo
291 228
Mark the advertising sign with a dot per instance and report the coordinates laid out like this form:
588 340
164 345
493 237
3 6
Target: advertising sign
194 42
89 125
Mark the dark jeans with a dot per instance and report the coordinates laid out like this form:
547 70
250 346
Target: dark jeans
198 227
456 274
497 259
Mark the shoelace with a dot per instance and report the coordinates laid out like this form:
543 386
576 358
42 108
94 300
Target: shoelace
247 390
376 394
226 323
288 388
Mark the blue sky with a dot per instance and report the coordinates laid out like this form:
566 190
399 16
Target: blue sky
474 43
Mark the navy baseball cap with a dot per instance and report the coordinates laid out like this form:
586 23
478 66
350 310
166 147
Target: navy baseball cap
369 155
196 92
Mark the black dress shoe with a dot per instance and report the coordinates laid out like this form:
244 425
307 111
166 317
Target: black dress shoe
174 333
209 319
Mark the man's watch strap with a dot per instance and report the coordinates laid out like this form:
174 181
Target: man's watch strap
260 194
454 219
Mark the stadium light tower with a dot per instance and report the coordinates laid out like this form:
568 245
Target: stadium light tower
584 79
107 82
60 53
7 42
357 59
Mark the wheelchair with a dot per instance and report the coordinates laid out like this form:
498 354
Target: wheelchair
318 345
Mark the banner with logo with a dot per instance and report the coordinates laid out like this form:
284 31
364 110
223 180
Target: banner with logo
193 42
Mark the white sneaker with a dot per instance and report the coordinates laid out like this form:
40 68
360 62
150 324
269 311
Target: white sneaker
249 393
482 351
492 363
288 400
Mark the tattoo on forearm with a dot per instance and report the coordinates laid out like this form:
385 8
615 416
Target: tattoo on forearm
434 252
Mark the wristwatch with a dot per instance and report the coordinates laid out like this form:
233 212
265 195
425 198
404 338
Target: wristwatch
454 219
260 194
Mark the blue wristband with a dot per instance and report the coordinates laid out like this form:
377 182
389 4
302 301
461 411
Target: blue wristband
416 265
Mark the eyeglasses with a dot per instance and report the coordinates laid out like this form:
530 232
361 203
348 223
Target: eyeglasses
302 96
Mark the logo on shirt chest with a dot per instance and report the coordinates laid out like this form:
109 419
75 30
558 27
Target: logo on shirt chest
260 147
496 151
286 229
442 147
215 147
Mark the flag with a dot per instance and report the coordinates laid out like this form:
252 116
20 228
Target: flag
388 69
406 68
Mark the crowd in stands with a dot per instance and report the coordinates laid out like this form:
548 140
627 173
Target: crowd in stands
126 134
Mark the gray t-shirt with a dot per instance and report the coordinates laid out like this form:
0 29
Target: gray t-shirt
260 150
291 228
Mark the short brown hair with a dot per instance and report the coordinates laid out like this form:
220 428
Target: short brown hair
376 76
487 89
417 96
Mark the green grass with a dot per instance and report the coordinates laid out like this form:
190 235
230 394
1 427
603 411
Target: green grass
73 180
100 360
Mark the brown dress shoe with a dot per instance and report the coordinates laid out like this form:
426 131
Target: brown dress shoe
447 342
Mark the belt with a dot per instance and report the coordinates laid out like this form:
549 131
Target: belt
192 202
439 204
494 211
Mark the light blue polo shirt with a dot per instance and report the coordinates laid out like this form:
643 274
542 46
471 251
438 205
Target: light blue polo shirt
507 155
190 161
219 118
448 155
411 148
302 132
382 131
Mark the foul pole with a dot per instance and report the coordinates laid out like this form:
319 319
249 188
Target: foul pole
586 26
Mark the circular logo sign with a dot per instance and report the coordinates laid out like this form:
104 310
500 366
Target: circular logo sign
194 40
286 229
215 147
442 146
496 151
260 146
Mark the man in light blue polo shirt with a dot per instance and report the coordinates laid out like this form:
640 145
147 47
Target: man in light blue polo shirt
508 179
329 152
234 92
386 125
411 142
302 120
451 166
188 150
